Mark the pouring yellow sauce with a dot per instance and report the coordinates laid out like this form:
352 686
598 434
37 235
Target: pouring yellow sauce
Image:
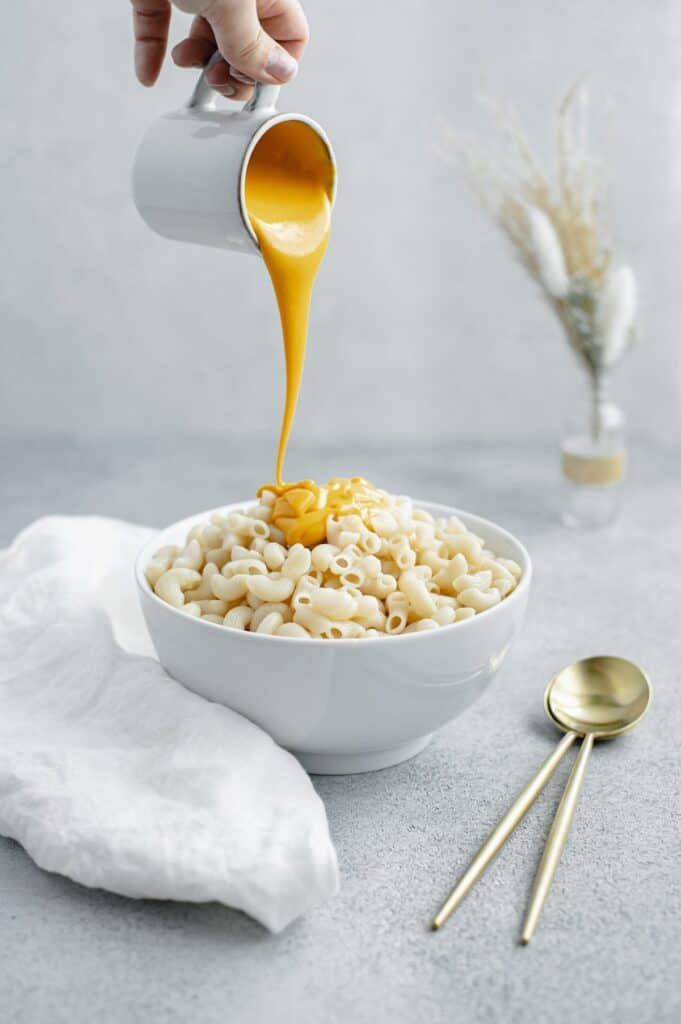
288 197
289 186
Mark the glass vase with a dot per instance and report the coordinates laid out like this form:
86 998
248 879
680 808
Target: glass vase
594 461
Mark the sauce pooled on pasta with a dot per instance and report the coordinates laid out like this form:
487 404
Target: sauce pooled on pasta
302 509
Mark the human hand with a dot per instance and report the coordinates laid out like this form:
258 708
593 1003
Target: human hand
260 41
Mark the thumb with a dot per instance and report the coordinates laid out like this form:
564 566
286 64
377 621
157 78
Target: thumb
245 45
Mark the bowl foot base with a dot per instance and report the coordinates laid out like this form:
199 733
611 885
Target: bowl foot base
371 761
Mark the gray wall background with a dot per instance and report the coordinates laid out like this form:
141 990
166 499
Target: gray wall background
422 323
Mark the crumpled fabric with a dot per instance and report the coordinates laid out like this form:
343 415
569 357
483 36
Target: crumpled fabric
113 774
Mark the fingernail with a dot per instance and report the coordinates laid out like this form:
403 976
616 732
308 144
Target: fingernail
281 65
227 90
141 69
242 78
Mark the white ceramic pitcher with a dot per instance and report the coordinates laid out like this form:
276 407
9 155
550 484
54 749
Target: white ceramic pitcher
190 170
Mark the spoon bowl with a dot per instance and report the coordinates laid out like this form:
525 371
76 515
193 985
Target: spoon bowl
603 697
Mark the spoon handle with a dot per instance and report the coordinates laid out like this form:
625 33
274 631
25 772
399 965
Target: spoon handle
556 840
500 834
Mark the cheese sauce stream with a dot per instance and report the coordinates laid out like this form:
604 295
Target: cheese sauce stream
288 188
289 183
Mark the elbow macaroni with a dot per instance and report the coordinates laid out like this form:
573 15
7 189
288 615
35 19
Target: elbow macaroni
399 570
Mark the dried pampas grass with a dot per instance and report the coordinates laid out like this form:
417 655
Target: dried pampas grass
557 229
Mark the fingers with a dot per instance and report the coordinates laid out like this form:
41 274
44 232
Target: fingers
196 50
223 79
245 43
151 19
285 21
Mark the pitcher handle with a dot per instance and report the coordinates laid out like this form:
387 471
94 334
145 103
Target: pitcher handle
205 97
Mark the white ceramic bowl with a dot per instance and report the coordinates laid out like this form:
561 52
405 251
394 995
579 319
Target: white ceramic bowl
340 706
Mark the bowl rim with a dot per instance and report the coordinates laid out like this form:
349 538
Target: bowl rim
431 506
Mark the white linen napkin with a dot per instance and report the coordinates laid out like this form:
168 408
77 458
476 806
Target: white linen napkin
111 772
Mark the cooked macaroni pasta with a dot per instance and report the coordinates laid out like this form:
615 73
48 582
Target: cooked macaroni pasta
390 570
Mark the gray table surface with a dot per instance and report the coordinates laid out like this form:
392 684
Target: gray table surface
609 945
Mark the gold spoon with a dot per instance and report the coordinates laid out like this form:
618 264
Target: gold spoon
596 697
